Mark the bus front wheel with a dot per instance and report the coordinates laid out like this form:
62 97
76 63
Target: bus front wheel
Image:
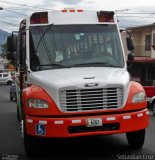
136 139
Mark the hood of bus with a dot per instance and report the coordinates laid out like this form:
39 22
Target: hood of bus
56 80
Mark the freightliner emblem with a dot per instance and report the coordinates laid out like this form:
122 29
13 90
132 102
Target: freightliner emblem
91 84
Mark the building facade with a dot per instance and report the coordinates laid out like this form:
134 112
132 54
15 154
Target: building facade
143 68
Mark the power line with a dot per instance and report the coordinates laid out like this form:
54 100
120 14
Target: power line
14 12
10 29
12 24
136 13
135 16
21 5
8 19
19 8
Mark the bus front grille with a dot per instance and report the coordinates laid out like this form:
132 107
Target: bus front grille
90 99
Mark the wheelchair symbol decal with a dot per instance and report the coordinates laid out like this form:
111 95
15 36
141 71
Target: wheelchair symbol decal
40 129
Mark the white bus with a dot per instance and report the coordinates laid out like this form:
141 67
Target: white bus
74 80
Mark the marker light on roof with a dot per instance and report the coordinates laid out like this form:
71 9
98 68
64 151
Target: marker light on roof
64 10
105 16
79 10
71 10
39 18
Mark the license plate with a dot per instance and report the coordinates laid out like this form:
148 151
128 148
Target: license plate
93 122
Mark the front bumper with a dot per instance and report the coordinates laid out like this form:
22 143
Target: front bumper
76 126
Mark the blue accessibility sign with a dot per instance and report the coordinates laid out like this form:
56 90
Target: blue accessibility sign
40 129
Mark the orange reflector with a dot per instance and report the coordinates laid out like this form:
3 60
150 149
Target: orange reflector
39 18
105 16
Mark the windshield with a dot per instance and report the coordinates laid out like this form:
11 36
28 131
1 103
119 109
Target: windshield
58 46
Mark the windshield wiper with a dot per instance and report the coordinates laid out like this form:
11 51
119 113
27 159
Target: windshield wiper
98 64
42 37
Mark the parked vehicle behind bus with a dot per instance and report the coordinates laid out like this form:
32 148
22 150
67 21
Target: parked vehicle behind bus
150 94
5 78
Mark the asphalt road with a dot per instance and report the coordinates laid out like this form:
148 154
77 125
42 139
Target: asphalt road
112 147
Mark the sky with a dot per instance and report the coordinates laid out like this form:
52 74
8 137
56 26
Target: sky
129 12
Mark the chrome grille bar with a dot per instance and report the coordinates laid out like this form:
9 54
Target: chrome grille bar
90 99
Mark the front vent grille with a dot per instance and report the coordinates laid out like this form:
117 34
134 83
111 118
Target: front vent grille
90 99
83 129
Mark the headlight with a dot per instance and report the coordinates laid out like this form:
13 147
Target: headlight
37 103
140 97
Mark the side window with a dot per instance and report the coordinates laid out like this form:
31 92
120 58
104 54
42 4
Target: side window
5 75
148 42
0 75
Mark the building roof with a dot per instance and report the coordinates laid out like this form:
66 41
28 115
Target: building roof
141 27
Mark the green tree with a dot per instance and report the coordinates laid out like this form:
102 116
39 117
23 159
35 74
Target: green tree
4 50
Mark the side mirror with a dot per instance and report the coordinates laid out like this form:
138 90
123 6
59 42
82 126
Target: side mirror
11 48
9 44
130 57
12 43
129 42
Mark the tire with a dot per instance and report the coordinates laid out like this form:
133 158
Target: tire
15 98
9 82
136 139
153 108
11 98
31 144
18 115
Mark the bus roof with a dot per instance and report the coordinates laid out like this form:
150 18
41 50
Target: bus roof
71 17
